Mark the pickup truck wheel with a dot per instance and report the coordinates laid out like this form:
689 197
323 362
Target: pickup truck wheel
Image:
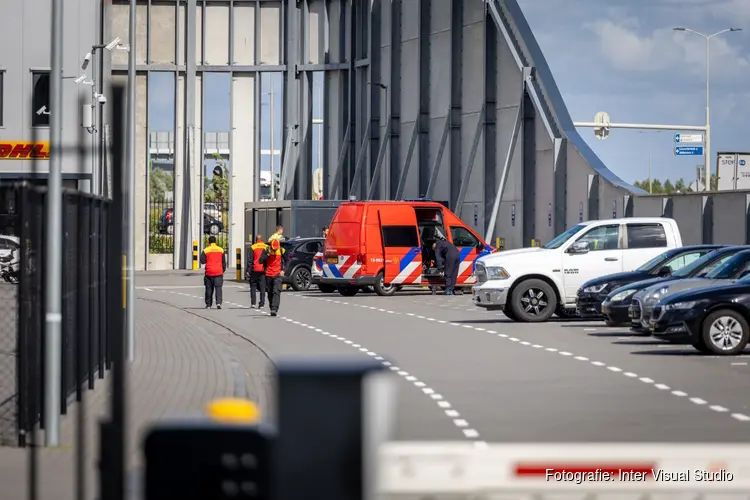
348 291
725 333
381 288
533 301
326 288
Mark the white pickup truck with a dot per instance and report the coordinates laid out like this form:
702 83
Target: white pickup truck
530 284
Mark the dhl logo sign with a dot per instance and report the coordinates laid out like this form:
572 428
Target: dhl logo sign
24 150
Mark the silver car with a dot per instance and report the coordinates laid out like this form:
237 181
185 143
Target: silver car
732 269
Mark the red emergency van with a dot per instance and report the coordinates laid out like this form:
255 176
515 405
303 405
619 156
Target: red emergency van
388 245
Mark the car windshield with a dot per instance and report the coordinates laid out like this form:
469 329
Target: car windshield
700 264
560 239
731 267
655 262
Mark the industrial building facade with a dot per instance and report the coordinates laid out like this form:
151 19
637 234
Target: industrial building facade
448 99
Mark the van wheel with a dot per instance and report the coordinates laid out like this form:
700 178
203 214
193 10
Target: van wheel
381 288
725 333
348 291
533 301
326 288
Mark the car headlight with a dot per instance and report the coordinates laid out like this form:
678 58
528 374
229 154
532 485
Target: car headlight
622 296
496 273
680 306
595 288
654 297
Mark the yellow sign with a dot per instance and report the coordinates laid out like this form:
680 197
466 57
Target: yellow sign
24 150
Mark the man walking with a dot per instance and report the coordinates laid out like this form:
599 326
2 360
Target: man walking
215 260
446 258
256 273
278 235
274 258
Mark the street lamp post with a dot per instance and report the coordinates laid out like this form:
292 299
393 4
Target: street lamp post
707 151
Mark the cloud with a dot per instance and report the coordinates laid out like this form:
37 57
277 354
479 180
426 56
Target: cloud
721 10
624 48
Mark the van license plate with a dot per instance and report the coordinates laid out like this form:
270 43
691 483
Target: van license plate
333 260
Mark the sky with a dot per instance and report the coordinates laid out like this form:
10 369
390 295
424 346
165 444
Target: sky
617 56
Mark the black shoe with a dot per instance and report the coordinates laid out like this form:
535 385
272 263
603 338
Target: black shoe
218 306
273 313
261 306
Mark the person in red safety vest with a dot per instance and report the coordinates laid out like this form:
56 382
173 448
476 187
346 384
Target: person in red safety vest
214 258
274 259
256 272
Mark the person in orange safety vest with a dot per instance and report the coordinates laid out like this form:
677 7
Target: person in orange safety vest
214 258
256 272
274 259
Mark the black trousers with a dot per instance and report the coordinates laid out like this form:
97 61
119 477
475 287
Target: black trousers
257 284
273 285
451 274
213 286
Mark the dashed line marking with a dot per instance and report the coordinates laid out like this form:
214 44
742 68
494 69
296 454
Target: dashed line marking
614 369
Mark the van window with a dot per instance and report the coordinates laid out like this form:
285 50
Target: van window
646 236
602 238
400 236
462 237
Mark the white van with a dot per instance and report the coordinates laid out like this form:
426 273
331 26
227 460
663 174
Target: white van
530 284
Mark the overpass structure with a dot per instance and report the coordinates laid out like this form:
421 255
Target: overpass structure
450 99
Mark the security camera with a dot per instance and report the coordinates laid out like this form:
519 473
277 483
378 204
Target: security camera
111 45
101 99
86 61
80 79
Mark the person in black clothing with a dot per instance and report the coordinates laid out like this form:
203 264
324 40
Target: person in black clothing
446 258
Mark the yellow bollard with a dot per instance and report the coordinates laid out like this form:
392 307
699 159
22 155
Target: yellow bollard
233 411
196 265
239 264
500 244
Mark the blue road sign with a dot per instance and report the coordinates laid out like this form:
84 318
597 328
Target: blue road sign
688 151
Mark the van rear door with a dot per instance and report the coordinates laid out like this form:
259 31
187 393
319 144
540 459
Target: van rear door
402 253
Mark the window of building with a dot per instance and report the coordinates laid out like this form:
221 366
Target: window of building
40 99
400 236
646 236
462 237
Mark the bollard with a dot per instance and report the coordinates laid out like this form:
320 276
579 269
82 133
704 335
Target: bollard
196 266
239 264
534 243
233 410
501 243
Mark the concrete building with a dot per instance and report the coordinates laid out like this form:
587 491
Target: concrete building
25 42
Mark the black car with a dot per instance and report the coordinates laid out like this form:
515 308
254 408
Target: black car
300 253
593 292
615 307
211 225
713 319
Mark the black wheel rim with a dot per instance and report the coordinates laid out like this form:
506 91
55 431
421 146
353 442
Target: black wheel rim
303 278
534 302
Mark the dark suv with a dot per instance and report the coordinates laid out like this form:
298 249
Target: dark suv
300 253
211 224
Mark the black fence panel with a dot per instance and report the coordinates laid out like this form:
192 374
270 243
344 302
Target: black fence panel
84 354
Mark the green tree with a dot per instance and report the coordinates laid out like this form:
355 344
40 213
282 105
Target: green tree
668 187
216 189
161 182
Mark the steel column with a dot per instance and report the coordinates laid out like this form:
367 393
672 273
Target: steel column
504 176
339 173
561 182
457 12
375 101
379 163
470 165
291 101
491 81
423 119
394 92
302 175
528 170
356 178
439 156
407 162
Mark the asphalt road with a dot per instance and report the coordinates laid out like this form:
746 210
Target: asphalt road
468 374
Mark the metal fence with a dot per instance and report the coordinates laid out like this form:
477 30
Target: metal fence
85 352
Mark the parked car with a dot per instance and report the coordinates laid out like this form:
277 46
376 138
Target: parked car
644 301
713 319
594 292
531 284
317 273
8 244
616 306
211 224
301 253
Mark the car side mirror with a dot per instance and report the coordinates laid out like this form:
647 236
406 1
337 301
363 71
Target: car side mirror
665 271
579 247
480 246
